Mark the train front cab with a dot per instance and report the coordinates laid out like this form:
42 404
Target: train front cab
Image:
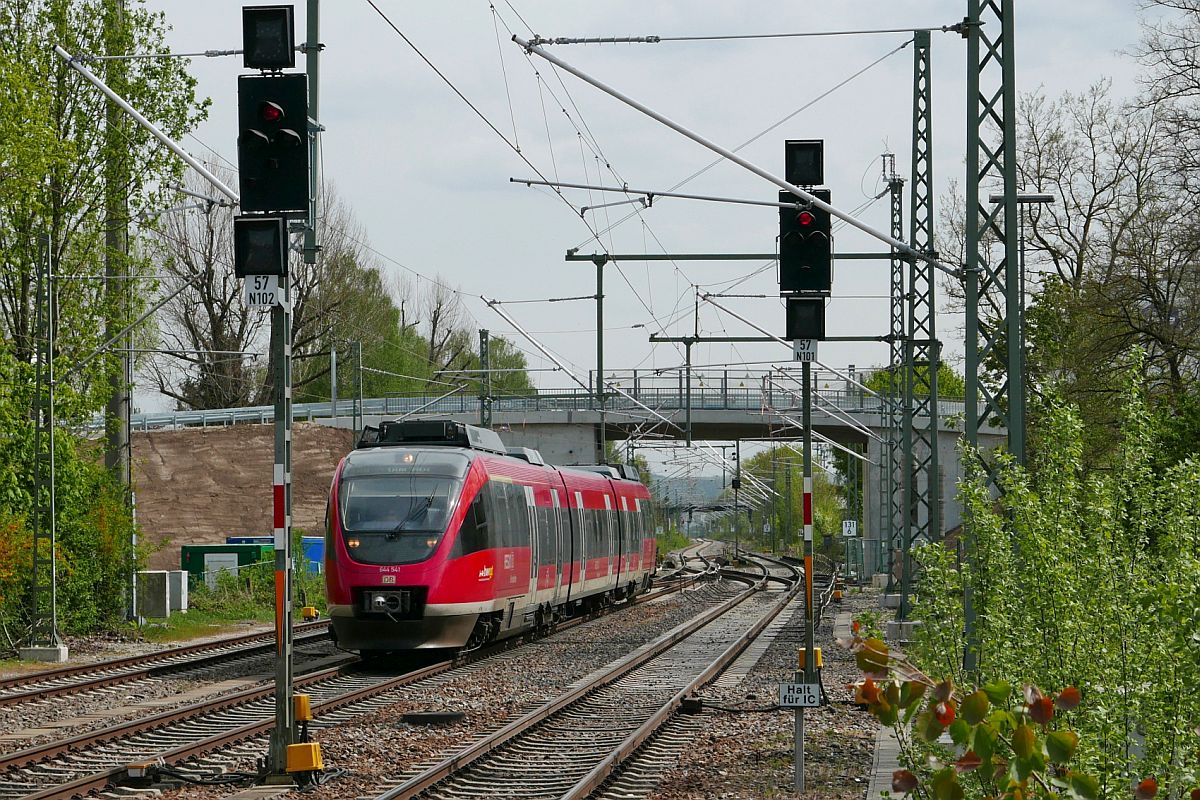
392 525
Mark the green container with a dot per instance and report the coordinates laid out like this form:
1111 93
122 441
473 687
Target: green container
204 562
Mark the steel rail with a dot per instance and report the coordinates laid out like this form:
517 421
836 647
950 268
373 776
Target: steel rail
158 655
154 669
101 779
483 747
618 755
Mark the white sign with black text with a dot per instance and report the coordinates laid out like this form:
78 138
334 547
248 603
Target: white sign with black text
262 291
799 695
804 350
849 527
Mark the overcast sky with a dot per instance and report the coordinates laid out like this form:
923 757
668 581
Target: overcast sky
429 180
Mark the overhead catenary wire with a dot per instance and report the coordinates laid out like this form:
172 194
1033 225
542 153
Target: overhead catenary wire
770 128
729 37
487 122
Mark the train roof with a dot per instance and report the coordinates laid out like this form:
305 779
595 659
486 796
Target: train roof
469 441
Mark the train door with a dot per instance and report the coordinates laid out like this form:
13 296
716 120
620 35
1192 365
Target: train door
554 519
582 549
610 530
569 548
535 535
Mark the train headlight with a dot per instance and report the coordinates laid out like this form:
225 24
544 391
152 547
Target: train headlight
353 542
431 542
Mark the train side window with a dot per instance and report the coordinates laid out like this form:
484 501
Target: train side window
473 535
547 541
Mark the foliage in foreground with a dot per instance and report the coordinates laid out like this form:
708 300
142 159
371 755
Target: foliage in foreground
1084 579
1000 745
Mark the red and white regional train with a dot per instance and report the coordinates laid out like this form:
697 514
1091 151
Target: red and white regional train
437 536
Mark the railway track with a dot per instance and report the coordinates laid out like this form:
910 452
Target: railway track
571 745
89 677
90 762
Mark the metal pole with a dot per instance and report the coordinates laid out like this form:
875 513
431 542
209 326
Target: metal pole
738 460
991 107
333 380
312 53
485 380
283 734
809 673
116 250
687 346
602 457
358 388
148 125
731 156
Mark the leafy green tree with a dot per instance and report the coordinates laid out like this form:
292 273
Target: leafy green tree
887 380
53 134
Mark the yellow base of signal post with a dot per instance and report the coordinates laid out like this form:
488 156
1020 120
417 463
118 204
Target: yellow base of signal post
305 756
801 657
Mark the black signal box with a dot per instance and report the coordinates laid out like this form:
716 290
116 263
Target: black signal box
805 246
259 246
804 161
805 318
268 37
273 142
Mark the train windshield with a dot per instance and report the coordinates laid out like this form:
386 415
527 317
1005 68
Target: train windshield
396 519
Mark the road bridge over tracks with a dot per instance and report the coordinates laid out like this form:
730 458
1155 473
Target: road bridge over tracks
565 424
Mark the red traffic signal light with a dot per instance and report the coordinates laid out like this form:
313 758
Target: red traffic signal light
273 168
270 112
806 218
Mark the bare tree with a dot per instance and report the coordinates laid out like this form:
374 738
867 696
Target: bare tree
207 327
445 330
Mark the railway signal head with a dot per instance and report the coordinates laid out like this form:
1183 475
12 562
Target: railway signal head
268 37
259 246
273 142
805 246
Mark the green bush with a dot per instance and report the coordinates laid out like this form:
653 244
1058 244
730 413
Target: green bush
1084 579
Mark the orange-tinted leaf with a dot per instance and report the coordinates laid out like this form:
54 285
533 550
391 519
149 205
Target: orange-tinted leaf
942 692
1060 745
944 712
927 727
1067 699
1041 710
855 626
975 707
903 781
1146 789
1195 794
872 656
870 691
969 761
1022 741
910 693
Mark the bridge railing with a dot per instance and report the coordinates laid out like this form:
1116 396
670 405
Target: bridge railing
662 398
